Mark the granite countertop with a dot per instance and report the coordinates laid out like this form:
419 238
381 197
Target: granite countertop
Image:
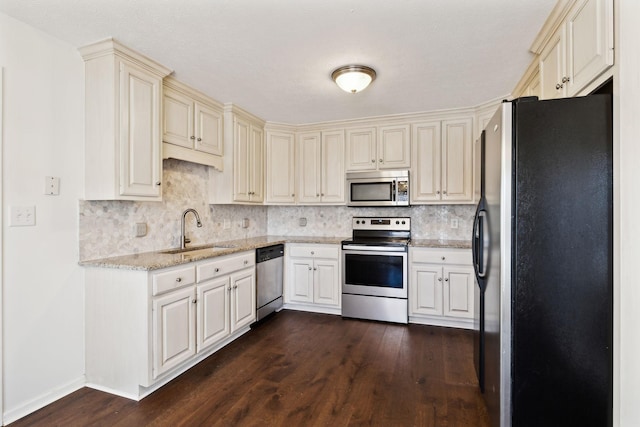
159 259
441 243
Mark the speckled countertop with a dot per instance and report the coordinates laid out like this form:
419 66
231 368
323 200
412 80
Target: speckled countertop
160 259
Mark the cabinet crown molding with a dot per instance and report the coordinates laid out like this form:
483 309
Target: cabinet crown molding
230 107
111 46
554 20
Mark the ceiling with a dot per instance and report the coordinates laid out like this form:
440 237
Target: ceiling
274 58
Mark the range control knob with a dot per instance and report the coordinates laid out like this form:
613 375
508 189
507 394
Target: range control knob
397 222
403 222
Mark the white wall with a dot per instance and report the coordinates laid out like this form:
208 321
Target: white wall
43 285
627 125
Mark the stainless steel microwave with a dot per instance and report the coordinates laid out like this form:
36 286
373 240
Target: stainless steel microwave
381 188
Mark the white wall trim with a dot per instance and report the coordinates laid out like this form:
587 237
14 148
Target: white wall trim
1 249
43 400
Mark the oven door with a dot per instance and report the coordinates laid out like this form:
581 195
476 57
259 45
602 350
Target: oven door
374 271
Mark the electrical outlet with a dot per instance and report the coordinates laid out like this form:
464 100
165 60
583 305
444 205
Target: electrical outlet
21 216
302 222
454 223
245 222
226 224
141 229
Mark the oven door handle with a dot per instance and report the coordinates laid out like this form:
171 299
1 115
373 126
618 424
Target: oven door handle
374 248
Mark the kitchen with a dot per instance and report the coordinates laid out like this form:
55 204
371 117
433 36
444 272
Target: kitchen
56 285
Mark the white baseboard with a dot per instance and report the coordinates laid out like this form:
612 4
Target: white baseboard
447 322
313 308
42 400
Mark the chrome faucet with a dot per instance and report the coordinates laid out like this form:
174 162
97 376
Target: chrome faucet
183 239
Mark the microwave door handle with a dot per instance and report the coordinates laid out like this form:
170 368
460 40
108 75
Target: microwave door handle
394 189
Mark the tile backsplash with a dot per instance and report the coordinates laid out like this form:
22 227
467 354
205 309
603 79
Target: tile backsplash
107 228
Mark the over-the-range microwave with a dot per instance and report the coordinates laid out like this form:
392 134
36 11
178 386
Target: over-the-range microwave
381 188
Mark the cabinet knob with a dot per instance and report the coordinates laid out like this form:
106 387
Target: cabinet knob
438 192
444 192
229 288
217 270
312 253
322 194
443 258
381 161
246 262
309 268
559 86
439 279
446 280
199 139
315 268
194 301
235 286
565 79
317 194
179 279
158 183
193 137
293 195
373 160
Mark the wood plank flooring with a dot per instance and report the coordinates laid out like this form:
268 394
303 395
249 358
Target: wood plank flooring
304 369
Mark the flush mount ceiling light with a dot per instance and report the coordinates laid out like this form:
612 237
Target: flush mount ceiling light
353 78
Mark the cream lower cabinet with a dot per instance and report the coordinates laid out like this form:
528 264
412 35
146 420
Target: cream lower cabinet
441 287
313 278
169 320
442 162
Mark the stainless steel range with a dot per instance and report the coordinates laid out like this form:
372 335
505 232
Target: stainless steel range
375 269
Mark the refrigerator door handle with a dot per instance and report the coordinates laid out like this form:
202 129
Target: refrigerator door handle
477 245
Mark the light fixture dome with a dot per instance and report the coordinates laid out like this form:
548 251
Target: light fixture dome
353 78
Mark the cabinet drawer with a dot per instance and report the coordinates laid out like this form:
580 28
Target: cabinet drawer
442 256
311 251
225 265
174 279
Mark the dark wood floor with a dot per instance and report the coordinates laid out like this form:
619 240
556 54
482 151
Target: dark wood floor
304 369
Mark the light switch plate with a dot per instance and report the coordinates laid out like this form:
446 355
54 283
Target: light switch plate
22 216
141 229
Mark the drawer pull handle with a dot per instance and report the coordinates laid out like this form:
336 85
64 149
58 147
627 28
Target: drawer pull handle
246 262
179 279
216 270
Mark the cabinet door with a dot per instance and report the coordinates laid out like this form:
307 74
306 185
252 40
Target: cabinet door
425 287
213 312
426 159
243 298
208 129
177 124
140 144
326 279
300 282
333 179
589 42
280 164
533 89
458 292
256 161
361 149
552 68
457 169
394 148
309 173
241 165
173 330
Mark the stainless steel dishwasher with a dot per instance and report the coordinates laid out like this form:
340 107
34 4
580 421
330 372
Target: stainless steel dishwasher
269 265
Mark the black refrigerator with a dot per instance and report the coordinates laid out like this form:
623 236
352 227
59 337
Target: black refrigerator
543 255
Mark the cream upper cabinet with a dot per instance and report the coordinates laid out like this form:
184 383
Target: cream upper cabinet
361 153
123 108
242 177
385 147
442 167
394 147
579 51
280 167
321 167
192 127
